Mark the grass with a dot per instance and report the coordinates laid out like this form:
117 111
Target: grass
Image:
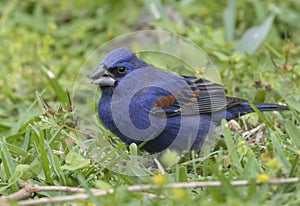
43 47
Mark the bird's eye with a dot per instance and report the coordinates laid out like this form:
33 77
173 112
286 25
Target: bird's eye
122 70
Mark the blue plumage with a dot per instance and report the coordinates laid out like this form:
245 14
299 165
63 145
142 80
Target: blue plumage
140 103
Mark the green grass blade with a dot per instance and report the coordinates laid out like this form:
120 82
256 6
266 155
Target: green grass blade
280 153
8 164
232 148
28 115
59 91
293 132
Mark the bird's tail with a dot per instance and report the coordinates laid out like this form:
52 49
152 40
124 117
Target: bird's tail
269 107
245 108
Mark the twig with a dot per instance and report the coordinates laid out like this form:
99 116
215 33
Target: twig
28 190
252 131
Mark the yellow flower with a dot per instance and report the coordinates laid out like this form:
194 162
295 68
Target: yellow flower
179 193
160 179
90 204
241 143
263 178
200 70
110 33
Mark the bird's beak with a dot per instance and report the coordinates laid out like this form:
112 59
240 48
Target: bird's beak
102 77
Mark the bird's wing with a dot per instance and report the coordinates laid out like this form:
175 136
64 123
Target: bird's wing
200 97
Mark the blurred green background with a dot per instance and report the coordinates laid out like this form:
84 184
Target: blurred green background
60 35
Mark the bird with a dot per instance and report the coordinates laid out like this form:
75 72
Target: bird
160 110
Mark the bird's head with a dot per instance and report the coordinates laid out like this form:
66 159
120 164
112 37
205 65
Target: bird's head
116 64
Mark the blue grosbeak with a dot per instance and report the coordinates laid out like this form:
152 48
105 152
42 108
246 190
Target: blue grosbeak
141 104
